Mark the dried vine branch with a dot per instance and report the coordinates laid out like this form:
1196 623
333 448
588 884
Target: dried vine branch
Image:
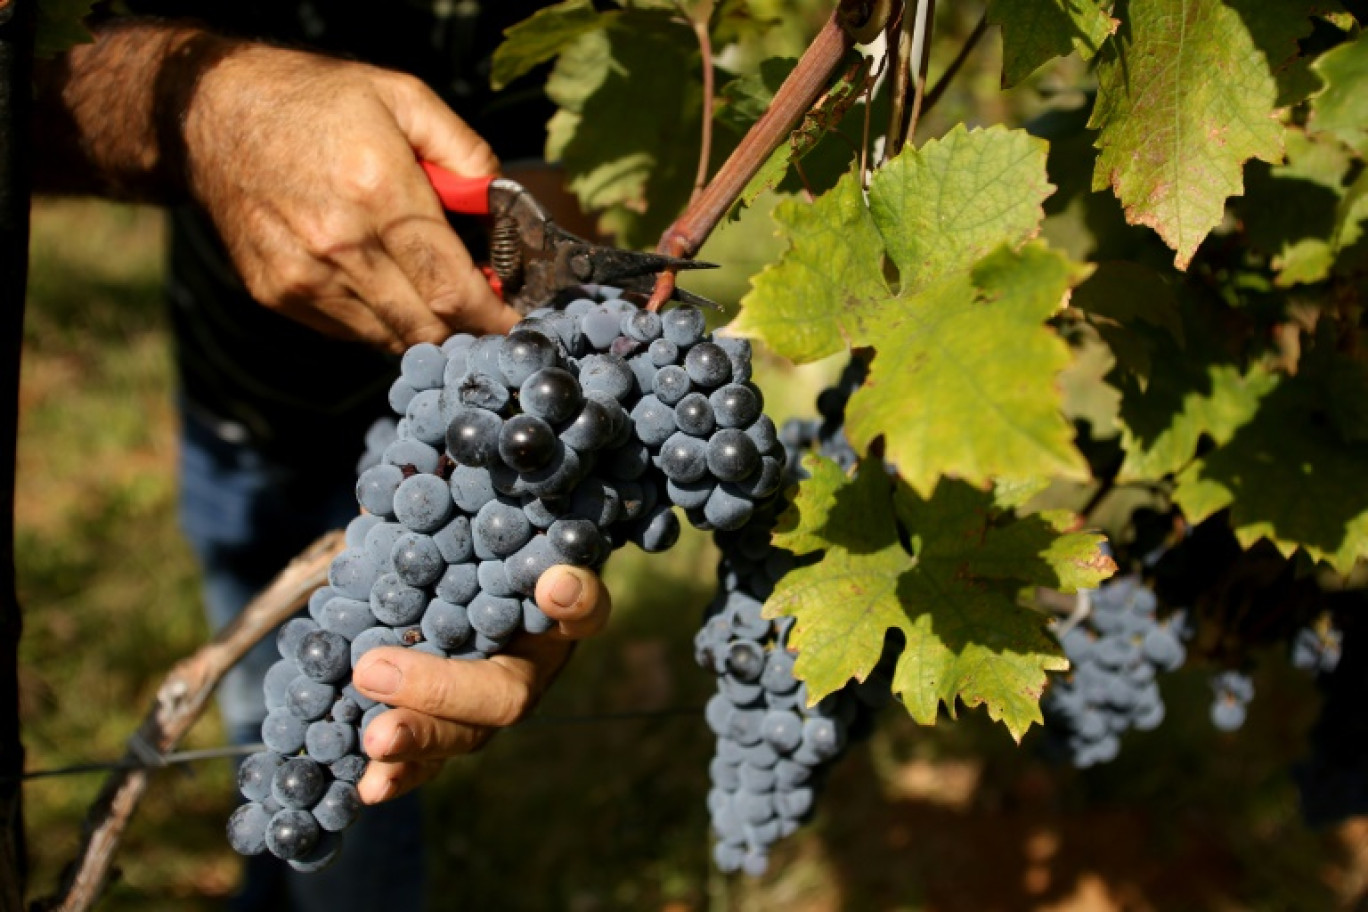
180 701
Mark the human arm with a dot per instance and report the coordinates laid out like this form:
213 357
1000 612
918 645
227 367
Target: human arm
305 164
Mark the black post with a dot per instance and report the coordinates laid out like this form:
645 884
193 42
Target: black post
16 93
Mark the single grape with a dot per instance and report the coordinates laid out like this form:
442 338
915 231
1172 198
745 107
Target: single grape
526 566
323 656
683 325
736 405
458 584
291 833
247 829
654 421
732 455
551 394
454 541
355 538
662 352
592 428
277 682
255 774
606 374
328 742
495 618
290 633
694 415
401 393
527 443
658 531
298 783
472 438
471 487
524 352
338 807
423 366
576 541
500 529
708 365
417 559
601 326
423 503
364 643
446 624
309 699
641 325
375 489
684 458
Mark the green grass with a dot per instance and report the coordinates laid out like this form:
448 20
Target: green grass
567 812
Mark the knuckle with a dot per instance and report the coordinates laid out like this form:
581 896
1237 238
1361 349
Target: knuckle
366 175
515 703
292 278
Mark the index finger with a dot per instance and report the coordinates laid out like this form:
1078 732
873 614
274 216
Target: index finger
433 258
497 692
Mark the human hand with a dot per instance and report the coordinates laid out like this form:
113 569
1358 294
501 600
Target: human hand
307 166
447 707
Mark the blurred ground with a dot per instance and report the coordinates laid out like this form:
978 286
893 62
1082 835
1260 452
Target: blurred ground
576 814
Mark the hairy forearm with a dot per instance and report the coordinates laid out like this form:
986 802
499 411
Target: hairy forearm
109 117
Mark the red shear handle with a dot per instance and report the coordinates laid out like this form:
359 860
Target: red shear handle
467 195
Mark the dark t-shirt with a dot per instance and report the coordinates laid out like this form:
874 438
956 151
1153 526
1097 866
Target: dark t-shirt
262 378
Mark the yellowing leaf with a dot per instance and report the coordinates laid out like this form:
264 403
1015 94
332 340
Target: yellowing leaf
943 206
807 305
951 597
1186 94
964 380
1034 31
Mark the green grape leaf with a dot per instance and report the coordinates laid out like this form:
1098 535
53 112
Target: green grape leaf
1341 109
1198 393
935 210
60 26
964 382
1186 94
952 597
627 129
1120 294
542 36
943 206
743 100
1299 213
1036 31
810 303
1287 476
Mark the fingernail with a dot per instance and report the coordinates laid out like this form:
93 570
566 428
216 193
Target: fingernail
566 590
379 677
374 794
401 743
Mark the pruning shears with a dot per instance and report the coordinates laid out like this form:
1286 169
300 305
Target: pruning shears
532 259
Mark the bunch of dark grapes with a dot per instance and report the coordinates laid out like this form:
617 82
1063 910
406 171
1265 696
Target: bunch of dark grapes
772 748
1317 649
1333 781
555 444
1231 693
1116 653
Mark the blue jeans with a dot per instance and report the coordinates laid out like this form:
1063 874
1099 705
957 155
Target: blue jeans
246 515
